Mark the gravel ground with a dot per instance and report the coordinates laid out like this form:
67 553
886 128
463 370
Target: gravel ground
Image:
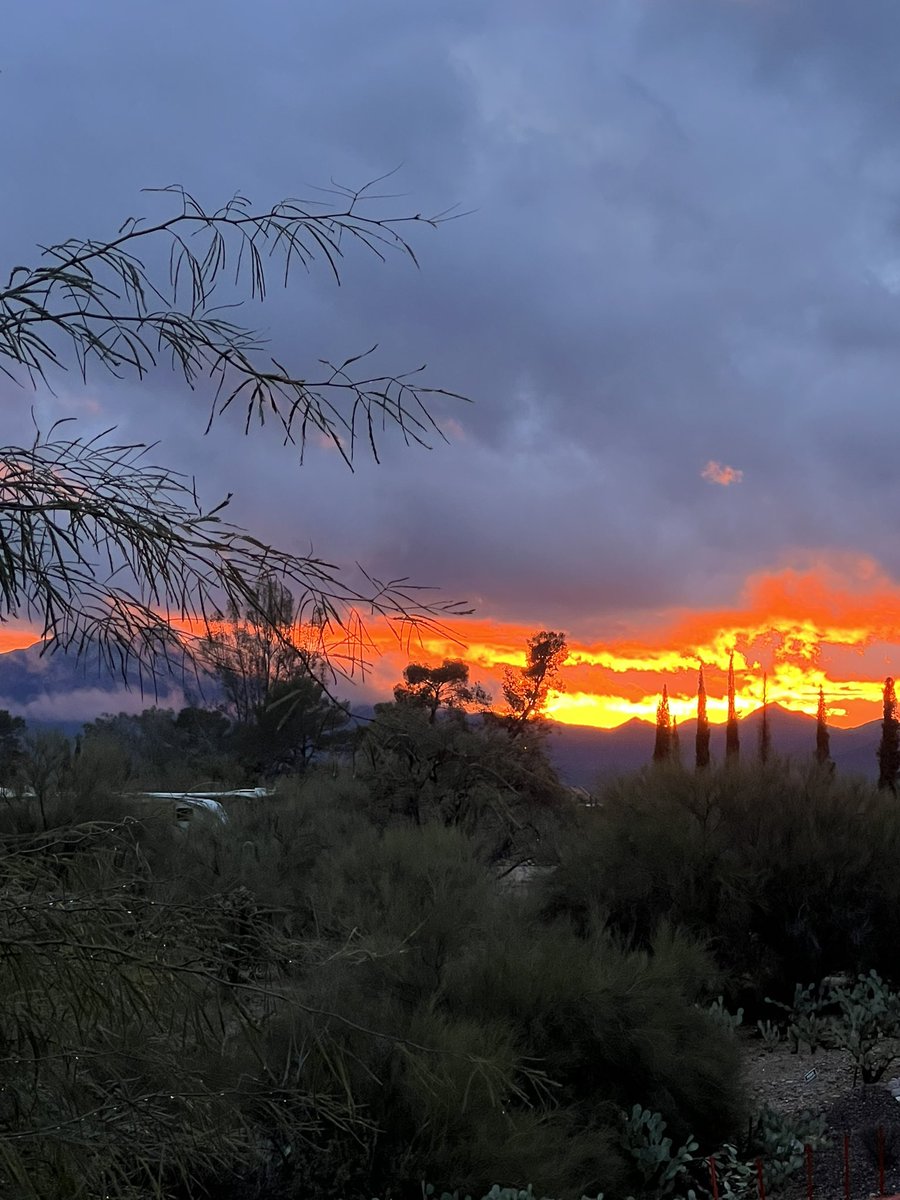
778 1078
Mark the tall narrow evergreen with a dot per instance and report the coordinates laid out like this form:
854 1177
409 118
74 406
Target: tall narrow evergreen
732 737
702 740
889 749
663 747
765 737
823 739
675 745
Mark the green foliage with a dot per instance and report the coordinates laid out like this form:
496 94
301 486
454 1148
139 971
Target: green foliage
307 1001
770 1033
889 747
45 763
719 1013
869 1014
806 1026
468 775
779 1140
163 750
298 721
12 734
526 689
264 655
446 686
134 1060
783 871
658 1165
861 1017
662 749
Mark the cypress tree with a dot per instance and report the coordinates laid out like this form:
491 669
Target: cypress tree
765 737
675 747
702 740
823 740
889 749
663 747
732 737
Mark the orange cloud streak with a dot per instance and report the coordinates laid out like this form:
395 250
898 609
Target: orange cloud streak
16 637
834 624
715 472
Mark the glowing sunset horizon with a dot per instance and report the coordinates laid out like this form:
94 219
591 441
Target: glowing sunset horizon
830 625
834 625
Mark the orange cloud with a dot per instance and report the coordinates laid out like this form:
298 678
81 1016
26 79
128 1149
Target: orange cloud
16 637
833 624
715 472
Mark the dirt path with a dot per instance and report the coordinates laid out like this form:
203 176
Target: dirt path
781 1079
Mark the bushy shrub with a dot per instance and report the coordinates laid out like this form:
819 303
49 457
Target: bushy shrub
468 774
786 872
328 1007
519 1042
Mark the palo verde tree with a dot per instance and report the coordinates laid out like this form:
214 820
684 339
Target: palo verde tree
264 657
526 689
889 747
662 747
12 733
446 686
103 548
702 737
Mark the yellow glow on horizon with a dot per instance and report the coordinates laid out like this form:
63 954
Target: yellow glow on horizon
834 625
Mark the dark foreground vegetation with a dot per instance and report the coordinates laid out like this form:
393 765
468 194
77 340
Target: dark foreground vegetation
346 989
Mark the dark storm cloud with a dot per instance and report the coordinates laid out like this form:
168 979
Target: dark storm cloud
683 248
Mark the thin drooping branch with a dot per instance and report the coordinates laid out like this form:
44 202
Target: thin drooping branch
104 549
99 302
109 551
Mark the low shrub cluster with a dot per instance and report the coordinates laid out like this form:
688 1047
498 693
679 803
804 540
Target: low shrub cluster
785 872
301 1001
338 992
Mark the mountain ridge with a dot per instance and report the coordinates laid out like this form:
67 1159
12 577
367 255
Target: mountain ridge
55 688
585 755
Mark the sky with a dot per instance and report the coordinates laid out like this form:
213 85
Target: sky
673 301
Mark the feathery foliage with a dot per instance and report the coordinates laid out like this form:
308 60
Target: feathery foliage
105 549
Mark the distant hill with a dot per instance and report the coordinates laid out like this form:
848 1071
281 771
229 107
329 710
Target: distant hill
60 690
57 689
584 755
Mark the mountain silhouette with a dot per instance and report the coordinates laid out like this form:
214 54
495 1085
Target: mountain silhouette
59 689
585 756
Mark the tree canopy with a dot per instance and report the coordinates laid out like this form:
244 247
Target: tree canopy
445 686
526 689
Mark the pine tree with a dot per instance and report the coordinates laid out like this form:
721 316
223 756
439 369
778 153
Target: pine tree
732 737
663 747
889 749
823 740
675 748
702 739
765 737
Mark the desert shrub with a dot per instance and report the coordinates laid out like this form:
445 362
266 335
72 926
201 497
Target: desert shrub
300 1002
785 871
468 774
132 1064
534 1038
